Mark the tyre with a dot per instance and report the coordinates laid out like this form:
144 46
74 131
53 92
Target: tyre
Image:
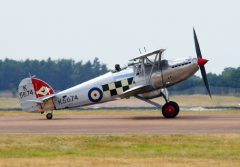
49 116
170 109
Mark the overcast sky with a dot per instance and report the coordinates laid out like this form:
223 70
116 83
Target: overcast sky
114 30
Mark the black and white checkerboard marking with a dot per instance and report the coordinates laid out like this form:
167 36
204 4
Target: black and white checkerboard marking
117 88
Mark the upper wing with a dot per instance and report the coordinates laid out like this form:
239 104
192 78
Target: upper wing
159 51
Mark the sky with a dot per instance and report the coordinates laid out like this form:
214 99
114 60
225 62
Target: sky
114 31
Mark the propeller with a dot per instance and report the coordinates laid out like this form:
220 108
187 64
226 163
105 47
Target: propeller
201 63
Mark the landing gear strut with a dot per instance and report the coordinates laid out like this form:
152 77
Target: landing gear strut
170 109
49 116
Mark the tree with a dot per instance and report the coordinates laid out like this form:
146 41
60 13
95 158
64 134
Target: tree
60 74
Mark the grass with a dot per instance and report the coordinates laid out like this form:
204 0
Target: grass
9 102
120 150
123 150
204 100
183 100
4 104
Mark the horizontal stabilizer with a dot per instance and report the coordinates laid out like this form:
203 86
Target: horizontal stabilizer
47 97
34 101
41 100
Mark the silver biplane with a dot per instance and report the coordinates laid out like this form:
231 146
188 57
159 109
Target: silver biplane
146 77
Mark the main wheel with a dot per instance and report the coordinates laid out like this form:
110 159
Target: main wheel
170 109
49 116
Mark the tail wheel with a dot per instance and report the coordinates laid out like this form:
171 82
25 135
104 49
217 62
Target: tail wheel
170 109
49 116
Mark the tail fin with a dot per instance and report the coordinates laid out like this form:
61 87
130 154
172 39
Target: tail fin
41 88
30 91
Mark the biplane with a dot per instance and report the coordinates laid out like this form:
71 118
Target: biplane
146 77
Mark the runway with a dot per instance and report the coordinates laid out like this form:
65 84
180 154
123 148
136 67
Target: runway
78 124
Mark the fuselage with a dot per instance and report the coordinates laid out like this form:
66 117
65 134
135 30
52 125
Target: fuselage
146 77
112 84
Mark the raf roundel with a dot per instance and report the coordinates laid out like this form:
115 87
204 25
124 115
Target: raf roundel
95 95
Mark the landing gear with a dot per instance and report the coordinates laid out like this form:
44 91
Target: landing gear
49 116
170 109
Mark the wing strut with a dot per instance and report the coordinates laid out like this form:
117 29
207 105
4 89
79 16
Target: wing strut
150 75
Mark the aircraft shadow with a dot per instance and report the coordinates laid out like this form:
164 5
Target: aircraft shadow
186 117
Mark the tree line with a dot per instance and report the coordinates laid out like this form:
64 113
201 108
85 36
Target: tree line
64 73
230 77
60 74
226 83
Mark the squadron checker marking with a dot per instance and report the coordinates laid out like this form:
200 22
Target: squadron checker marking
143 78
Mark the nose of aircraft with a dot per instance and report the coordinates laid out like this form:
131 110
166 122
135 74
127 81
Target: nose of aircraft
201 61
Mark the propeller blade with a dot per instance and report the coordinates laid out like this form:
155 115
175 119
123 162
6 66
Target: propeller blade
201 63
205 79
197 47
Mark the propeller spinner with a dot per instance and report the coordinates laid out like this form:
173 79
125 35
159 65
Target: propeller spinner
201 63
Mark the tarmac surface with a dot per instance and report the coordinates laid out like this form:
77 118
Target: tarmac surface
100 124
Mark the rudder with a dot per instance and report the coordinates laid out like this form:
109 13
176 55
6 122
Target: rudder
30 91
